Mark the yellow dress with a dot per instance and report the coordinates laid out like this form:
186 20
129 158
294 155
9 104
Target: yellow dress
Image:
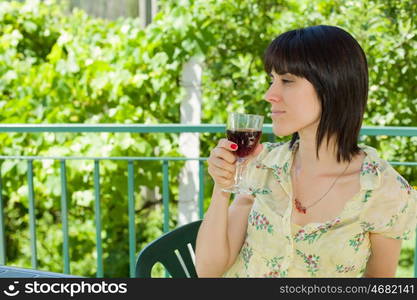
274 247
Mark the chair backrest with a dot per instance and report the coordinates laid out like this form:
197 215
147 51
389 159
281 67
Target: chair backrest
174 250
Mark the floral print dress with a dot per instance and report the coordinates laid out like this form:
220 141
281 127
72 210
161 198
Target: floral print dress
274 247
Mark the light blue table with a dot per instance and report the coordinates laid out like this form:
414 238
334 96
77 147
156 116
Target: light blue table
15 272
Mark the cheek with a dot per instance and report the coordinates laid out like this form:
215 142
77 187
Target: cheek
308 112
302 111
316 109
307 108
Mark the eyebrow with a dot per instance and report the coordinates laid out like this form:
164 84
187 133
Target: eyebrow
285 74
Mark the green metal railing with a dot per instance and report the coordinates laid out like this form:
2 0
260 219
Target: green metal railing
166 128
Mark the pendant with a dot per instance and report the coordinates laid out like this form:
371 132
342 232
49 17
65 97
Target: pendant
299 207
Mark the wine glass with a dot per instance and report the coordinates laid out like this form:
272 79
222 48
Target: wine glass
244 130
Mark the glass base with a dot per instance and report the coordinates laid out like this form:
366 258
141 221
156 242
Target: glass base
237 190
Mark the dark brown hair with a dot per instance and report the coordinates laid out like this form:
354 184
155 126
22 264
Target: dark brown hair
335 64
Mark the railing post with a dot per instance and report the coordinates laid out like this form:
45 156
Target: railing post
32 216
64 217
97 212
165 199
131 208
201 190
2 231
165 194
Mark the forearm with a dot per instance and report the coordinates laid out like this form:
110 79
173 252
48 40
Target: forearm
212 244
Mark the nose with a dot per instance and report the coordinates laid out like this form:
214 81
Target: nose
272 95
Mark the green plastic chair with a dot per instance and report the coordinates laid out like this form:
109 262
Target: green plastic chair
174 250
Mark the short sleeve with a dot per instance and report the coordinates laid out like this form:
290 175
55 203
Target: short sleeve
393 210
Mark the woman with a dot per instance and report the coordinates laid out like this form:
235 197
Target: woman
322 205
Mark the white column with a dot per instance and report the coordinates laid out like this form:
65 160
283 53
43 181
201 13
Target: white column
190 142
147 11
143 13
154 8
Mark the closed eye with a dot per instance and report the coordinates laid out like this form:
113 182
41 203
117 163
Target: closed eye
283 80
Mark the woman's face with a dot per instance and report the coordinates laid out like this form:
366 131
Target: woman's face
295 106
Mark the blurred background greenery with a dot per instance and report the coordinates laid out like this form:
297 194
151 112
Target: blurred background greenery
59 64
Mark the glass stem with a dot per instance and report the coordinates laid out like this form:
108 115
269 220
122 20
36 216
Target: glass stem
239 170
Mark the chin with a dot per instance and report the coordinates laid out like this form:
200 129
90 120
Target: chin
281 130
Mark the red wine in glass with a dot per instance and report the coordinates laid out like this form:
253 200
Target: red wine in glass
246 139
244 130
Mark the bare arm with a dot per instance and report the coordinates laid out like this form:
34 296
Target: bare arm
223 229
384 257
221 233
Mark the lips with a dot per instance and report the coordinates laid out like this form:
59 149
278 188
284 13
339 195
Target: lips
277 112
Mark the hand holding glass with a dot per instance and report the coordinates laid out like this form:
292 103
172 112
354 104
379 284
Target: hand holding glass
244 130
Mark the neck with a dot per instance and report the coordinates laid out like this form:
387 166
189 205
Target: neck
306 161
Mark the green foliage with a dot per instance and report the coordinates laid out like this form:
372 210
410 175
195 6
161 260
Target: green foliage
72 68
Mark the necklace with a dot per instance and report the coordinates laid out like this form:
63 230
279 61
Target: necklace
303 209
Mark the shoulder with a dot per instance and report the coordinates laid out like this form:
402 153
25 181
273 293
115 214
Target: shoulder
395 193
391 182
377 174
392 207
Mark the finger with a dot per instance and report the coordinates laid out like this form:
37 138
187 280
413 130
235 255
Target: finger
224 154
222 164
226 144
215 174
223 173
